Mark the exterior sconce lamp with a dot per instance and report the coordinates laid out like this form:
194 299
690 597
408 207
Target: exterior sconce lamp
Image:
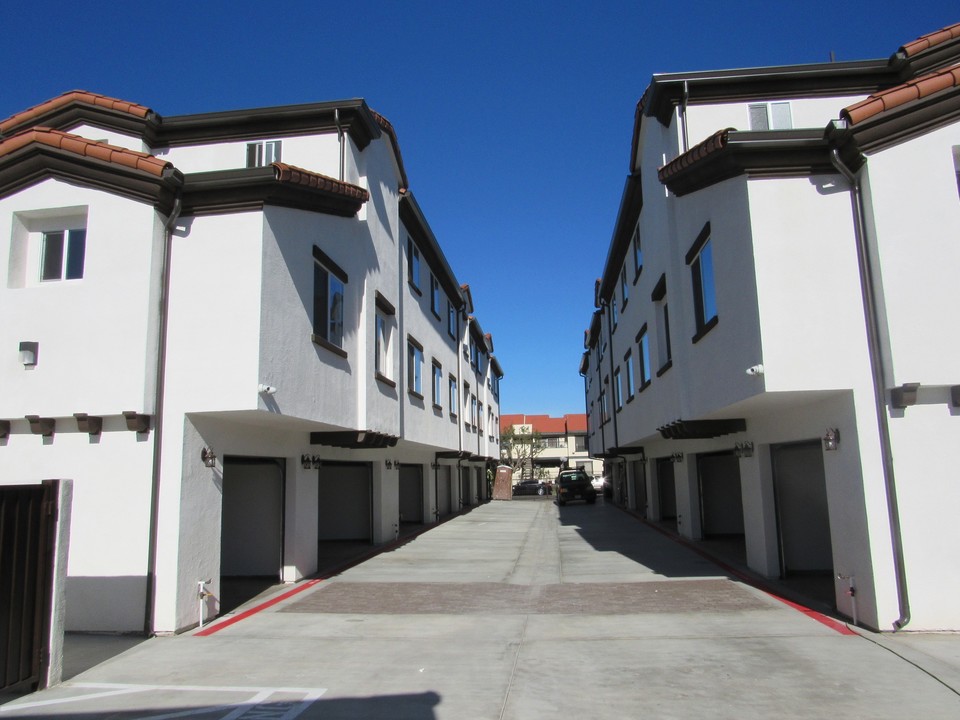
28 353
743 449
831 439
676 457
434 465
305 462
209 457
316 462
388 464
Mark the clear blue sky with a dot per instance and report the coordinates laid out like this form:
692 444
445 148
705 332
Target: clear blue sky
514 118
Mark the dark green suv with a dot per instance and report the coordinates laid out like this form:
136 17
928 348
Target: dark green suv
575 485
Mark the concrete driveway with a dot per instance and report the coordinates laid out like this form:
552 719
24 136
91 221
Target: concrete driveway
521 610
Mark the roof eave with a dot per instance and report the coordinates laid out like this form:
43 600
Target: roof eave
416 224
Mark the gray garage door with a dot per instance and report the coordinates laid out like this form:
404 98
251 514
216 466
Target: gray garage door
801 495
466 497
251 537
640 486
444 491
666 489
411 493
721 505
344 498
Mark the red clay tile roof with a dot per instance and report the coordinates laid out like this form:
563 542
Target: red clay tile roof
576 422
696 153
298 176
80 96
87 148
902 94
925 42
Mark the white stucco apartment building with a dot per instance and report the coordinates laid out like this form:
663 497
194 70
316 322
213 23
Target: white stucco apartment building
238 336
772 355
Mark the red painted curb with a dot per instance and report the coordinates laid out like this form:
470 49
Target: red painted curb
221 623
834 625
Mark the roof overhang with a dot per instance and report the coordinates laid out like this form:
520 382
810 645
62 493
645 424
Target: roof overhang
701 429
631 203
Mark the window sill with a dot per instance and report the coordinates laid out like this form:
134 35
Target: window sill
637 276
453 417
413 287
643 386
322 342
385 380
666 366
435 314
707 327
630 399
438 408
414 394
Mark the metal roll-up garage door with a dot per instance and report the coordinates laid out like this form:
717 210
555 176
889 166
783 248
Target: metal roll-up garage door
345 501
721 504
411 493
802 518
444 491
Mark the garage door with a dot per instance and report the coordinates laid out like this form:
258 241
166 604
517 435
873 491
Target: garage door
466 497
666 490
640 486
444 491
801 494
344 497
721 506
411 493
251 536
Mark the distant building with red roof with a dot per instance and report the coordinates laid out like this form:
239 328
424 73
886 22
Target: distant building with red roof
564 441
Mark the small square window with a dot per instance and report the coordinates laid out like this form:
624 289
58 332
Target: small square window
62 254
263 153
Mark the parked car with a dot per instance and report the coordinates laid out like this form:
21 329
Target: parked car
597 482
531 487
575 485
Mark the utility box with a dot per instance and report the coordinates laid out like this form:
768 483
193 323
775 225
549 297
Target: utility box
503 483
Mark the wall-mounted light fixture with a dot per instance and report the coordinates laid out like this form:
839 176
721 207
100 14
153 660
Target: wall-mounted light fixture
305 462
316 462
209 457
434 465
388 464
831 439
676 457
28 353
743 449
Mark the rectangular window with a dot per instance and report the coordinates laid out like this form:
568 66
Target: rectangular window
604 409
623 285
664 351
453 396
413 264
452 324
434 295
614 315
63 254
617 388
414 368
643 357
770 116
474 354
437 385
637 251
580 443
700 260
473 411
263 153
328 298
382 350
628 364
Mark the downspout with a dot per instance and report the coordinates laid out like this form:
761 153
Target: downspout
336 120
683 116
160 375
872 318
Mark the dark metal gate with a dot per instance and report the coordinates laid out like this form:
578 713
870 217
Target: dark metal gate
27 520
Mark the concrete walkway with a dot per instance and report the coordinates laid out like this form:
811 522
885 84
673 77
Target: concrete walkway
521 610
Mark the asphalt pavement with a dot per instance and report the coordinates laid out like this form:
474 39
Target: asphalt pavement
521 610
